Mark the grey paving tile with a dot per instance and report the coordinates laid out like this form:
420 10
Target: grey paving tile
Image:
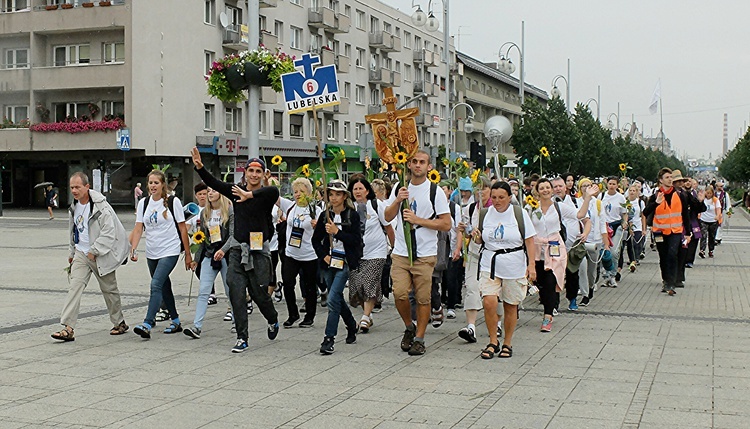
521 419
339 422
90 417
680 402
565 422
676 418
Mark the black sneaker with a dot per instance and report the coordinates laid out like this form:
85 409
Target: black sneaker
351 335
273 331
584 301
307 323
408 339
468 335
324 299
277 294
212 299
291 321
680 284
240 346
618 276
192 332
249 308
326 347
417 348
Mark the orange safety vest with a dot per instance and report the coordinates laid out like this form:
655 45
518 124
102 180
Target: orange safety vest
668 218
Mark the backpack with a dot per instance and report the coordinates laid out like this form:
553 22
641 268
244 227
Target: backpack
444 238
563 230
170 205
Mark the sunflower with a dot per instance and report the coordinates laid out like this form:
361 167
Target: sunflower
276 160
534 204
528 199
458 160
306 170
446 162
466 164
475 176
434 176
199 237
342 152
400 158
544 152
623 167
317 185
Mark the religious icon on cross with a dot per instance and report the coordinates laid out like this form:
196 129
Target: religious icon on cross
394 130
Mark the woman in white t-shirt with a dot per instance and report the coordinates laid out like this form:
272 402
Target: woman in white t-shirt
710 221
300 258
365 281
636 220
505 268
165 231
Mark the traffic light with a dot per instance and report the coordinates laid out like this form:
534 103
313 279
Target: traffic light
478 155
526 161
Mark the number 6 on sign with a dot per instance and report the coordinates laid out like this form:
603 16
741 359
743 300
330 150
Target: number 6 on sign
310 87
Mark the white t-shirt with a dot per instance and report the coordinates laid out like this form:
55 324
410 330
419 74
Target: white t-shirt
549 223
455 220
572 227
612 207
337 244
278 209
299 217
598 226
501 231
419 202
376 242
634 214
710 214
162 237
81 217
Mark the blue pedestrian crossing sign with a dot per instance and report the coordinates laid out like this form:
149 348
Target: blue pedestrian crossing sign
306 88
123 140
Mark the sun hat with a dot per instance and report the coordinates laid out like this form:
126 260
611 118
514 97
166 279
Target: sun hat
464 184
677 176
338 185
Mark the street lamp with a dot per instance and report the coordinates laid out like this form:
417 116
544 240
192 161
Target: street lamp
593 100
432 24
611 125
555 92
506 66
468 125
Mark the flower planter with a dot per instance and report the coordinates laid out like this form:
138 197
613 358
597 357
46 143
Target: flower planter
87 4
51 7
67 6
235 77
253 75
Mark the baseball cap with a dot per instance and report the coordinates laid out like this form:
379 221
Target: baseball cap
256 162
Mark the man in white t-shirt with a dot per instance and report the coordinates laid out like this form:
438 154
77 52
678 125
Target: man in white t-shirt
616 216
98 245
427 216
595 242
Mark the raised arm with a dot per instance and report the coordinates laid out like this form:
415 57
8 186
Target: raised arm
212 182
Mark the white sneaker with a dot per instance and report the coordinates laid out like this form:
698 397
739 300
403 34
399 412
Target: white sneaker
554 312
451 314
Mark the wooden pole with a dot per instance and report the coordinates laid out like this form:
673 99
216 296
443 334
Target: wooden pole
322 168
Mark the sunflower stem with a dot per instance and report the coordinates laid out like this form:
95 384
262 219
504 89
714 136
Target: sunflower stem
407 225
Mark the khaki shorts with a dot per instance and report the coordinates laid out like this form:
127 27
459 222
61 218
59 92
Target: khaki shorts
509 291
417 277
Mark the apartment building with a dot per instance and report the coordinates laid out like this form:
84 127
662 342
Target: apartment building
144 62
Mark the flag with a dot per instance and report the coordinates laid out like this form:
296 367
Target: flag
655 98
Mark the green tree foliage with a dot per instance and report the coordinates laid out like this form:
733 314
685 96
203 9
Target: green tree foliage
580 144
735 166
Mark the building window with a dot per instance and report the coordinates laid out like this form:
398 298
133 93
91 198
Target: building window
64 111
296 40
407 72
374 61
262 23
233 119
347 131
398 67
114 109
417 42
331 129
359 129
208 117
235 17
278 124
374 24
313 130
208 60
374 97
16 114
388 64
72 54
297 2
263 129
359 94
397 33
407 39
387 27
17 59
316 42
347 12
360 57
347 50
359 20
278 31
14 5
347 90
295 125
209 12
113 52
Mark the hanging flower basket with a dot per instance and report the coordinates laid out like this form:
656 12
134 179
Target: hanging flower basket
234 73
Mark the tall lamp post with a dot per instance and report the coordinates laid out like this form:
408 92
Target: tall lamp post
611 125
468 126
505 65
432 24
593 100
556 91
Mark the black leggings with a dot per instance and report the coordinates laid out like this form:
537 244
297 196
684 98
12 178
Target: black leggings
547 284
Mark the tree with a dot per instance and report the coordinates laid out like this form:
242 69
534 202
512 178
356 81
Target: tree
735 166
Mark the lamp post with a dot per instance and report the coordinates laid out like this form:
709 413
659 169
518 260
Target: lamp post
432 24
253 92
556 92
593 100
611 125
505 65
468 126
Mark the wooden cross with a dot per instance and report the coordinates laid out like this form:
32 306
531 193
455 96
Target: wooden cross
394 130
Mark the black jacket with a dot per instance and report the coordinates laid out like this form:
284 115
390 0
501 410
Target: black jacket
690 206
349 233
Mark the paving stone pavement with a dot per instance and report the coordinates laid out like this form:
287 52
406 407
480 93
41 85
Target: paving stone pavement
635 358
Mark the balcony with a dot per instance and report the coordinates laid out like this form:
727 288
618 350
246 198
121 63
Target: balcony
343 24
78 18
426 120
232 38
15 80
385 41
81 76
374 108
427 56
380 77
269 3
79 141
327 56
457 69
342 108
396 79
15 140
321 17
267 95
269 41
426 87
342 64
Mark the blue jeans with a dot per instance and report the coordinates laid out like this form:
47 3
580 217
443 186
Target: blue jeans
208 276
161 288
336 281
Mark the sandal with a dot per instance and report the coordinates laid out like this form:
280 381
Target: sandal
119 329
489 351
173 328
506 352
65 334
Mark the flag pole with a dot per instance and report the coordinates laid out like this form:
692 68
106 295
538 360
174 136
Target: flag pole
661 123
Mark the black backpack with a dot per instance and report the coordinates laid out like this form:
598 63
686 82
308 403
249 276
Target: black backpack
170 205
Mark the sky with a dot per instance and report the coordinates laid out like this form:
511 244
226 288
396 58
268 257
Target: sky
699 50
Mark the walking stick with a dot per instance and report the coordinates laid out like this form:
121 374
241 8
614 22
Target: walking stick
190 292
